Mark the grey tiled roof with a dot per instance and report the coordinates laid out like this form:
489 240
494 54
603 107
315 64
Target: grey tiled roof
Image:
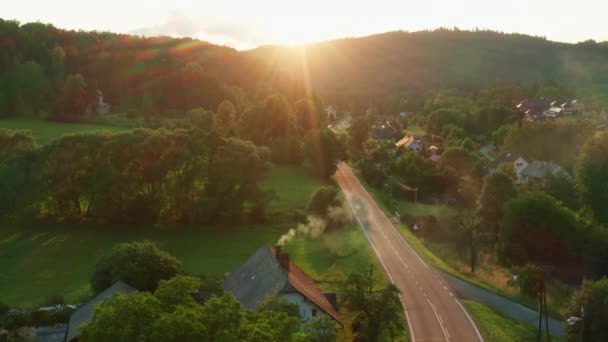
85 313
260 276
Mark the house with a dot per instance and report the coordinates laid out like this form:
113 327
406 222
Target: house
537 170
572 107
532 107
84 314
519 163
268 272
543 109
383 132
409 143
98 108
554 112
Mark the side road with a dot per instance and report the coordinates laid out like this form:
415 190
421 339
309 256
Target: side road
499 303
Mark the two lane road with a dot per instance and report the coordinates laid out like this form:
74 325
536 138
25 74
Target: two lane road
432 311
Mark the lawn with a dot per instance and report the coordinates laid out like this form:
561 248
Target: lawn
47 131
293 187
38 262
495 327
415 130
330 258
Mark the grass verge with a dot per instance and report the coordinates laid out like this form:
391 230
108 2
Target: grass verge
496 327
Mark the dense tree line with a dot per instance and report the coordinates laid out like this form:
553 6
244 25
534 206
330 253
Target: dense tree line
141 176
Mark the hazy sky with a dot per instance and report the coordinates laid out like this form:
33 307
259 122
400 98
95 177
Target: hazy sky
249 23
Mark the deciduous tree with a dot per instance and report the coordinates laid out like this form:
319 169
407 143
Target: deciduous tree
140 264
591 175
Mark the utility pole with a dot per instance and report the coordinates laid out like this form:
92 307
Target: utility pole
542 310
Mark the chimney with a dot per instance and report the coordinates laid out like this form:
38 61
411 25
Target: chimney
283 258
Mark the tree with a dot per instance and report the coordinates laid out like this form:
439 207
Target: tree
590 172
14 142
358 134
308 116
73 99
418 172
323 198
139 264
589 305
322 329
438 119
170 314
529 277
498 188
202 119
123 318
279 121
463 171
323 151
225 118
568 139
563 188
536 228
375 312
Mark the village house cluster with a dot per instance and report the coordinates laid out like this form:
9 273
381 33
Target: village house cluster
546 109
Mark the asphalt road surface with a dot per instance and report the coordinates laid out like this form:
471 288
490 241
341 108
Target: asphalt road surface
433 312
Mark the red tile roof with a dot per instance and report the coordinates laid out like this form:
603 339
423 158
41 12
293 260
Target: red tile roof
307 288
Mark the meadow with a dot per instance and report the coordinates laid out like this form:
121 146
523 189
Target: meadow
47 131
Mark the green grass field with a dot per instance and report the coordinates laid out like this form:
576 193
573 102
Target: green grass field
496 327
415 130
39 262
47 131
293 186
336 254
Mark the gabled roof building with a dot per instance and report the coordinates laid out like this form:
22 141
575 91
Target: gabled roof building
270 272
84 313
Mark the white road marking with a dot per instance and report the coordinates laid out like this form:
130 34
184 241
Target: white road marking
371 202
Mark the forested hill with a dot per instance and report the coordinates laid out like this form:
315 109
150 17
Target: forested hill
157 74
401 61
46 70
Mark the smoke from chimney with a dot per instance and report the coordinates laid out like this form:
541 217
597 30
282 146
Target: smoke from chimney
315 225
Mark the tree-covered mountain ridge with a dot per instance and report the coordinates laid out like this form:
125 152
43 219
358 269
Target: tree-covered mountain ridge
160 75
416 61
